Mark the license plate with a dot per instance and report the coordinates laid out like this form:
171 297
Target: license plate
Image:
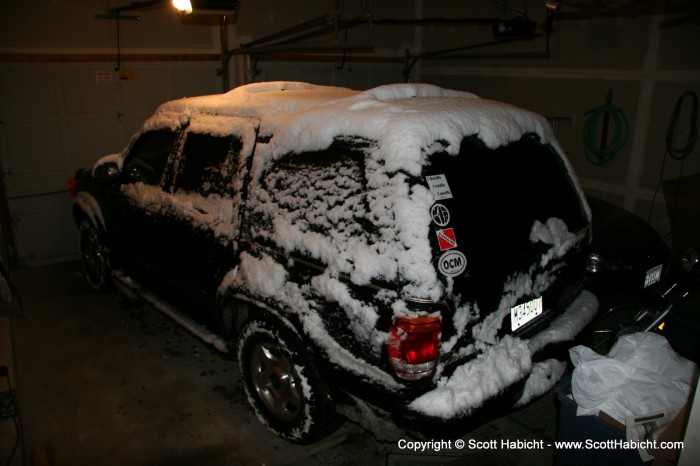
653 275
524 313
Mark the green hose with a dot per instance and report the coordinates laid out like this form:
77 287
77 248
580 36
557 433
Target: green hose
608 150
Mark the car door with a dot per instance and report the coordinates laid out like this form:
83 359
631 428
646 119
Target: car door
203 218
136 213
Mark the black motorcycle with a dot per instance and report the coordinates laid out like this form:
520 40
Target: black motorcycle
650 309
638 281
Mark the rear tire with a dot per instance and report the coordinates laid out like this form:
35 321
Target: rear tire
282 382
95 257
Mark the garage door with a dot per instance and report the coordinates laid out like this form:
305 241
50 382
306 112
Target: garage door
57 118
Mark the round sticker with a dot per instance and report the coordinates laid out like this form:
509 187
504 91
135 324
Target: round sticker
440 214
452 263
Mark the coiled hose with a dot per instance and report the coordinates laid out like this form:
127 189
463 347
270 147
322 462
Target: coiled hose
608 150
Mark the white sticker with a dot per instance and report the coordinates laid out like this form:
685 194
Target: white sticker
440 215
439 187
452 263
103 76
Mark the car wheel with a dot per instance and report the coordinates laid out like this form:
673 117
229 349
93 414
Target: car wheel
282 382
622 315
95 257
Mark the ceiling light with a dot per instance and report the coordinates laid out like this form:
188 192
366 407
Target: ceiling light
206 7
183 6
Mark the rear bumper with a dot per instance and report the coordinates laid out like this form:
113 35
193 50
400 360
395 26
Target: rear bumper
500 377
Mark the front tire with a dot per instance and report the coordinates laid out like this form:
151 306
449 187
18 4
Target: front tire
95 257
282 382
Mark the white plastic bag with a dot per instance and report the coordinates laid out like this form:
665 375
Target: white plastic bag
641 375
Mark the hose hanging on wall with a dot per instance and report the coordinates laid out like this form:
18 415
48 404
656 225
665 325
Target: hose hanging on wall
603 153
683 152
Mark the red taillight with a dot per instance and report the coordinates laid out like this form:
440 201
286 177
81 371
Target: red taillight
414 347
71 188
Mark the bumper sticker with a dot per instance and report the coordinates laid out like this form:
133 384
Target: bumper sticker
439 187
452 263
446 239
440 215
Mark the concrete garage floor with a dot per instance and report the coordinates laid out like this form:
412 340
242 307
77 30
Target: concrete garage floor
102 383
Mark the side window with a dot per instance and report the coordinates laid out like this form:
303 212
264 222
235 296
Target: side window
148 156
205 165
321 192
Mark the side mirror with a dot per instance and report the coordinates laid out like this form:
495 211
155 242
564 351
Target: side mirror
106 172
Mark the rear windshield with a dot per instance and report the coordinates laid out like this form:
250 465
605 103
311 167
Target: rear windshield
495 195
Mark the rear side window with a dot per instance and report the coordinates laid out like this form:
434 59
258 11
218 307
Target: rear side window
148 156
205 164
317 192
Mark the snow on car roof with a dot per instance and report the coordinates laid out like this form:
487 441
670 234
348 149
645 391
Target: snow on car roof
405 119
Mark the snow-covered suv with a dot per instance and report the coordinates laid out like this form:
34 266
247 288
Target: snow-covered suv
409 249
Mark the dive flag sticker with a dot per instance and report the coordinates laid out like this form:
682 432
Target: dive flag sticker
446 239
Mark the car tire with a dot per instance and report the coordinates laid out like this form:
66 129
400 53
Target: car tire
282 382
622 314
95 257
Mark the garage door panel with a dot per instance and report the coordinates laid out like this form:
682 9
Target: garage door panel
132 124
195 81
148 89
32 144
37 182
89 139
27 93
36 205
84 94
47 239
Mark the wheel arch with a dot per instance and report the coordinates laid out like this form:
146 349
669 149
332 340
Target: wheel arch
237 309
86 207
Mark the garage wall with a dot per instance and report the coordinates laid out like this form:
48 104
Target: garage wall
73 87
644 53
69 95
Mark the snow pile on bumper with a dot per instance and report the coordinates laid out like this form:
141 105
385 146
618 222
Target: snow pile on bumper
505 363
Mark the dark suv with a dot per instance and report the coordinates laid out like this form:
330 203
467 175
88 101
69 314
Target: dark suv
408 249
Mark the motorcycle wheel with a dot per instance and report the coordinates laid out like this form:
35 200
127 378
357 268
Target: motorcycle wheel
621 315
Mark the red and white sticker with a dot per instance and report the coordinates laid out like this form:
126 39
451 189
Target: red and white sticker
446 239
